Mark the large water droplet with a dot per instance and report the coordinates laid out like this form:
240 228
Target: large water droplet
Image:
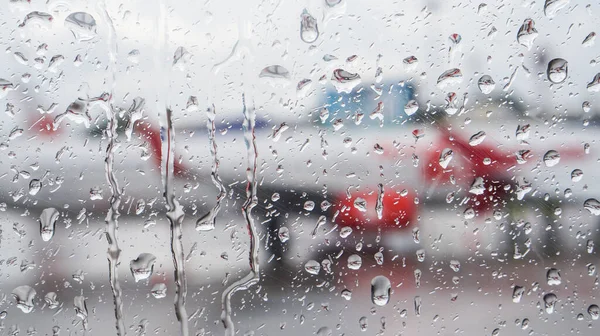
549 302
593 206
24 296
518 292
35 186
283 234
276 75
312 267
324 331
411 107
39 18
594 85
360 204
449 77
589 40
362 323
477 187
159 290
553 277
5 87
553 6
51 300
486 84
594 311
143 266
344 81
47 223
381 288
551 158
445 157
309 31
354 262
82 25
477 138
527 33
557 70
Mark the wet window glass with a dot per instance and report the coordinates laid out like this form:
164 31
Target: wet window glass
318 167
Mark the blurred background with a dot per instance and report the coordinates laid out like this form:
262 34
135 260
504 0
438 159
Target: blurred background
395 167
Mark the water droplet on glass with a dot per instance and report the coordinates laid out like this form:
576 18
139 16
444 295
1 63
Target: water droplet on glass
326 264
411 107
309 31
275 75
159 290
41 19
354 262
284 234
445 157
381 288
346 294
181 58
345 231
553 277
594 85
51 300
47 223
586 106
362 323
557 70
576 175
590 246
477 187
553 6
303 87
378 258
5 87
82 25
593 206
477 138
449 77
81 309
360 204
24 296
34 187
549 302
455 265
312 267
143 266
486 84
527 33
417 302
410 63
518 292
551 158
594 311
589 40
309 205
345 81
324 331
420 255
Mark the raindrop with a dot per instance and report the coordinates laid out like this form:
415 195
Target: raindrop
380 290
312 267
284 234
159 290
275 74
420 255
549 302
309 31
553 6
449 77
527 33
345 81
551 158
41 18
345 231
518 292
557 70
51 300
411 107
47 223
486 84
477 138
576 175
34 187
346 294
590 246
82 25
378 258
5 87
362 323
24 296
477 187
589 40
324 331
455 265
553 277
354 262
180 58
81 309
594 85
143 266
594 311
586 106
593 206
360 204
309 205
445 157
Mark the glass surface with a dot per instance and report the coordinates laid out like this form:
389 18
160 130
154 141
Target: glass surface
327 167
